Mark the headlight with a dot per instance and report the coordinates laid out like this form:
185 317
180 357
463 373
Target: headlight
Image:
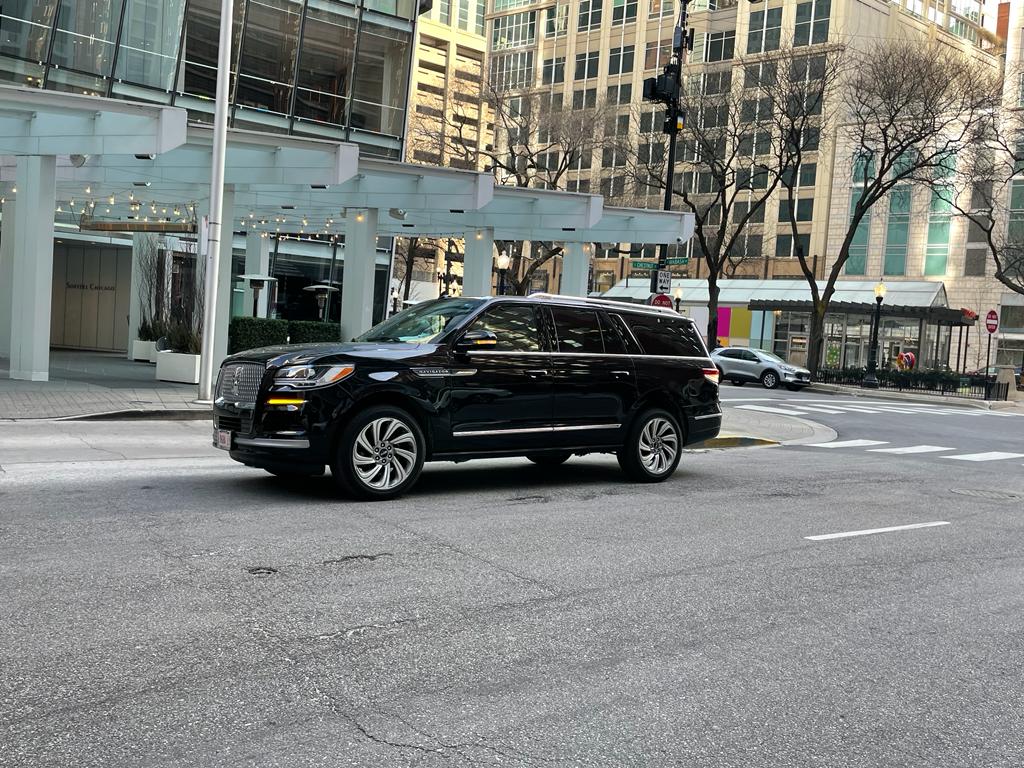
308 376
788 368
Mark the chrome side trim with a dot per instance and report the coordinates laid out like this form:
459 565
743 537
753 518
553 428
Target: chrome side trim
708 416
588 354
534 430
259 442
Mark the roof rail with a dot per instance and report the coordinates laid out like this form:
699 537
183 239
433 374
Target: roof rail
605 302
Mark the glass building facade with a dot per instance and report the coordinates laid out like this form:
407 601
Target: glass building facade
320 68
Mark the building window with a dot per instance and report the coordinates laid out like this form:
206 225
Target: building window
765 31
584 99
741 207
614 186
512 70
662 8
620 60
623 12
148 54
578 185
897 233
514 31
760 75
620 94
325 64
586 65
975 262
553 71
936 253
505 5
857 261
720 46
379 88
804 209
479 20
464 15
812 22
656 54
785 247
202 39
590 15
557 20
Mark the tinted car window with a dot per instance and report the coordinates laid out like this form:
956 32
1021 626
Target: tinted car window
750 356
514 326
613 344
577 330
730 353
665 336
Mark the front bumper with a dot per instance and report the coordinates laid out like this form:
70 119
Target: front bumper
803 378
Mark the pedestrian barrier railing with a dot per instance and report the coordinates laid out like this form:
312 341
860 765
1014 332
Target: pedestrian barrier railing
926 382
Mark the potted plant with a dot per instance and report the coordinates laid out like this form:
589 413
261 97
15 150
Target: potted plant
179 359
144 347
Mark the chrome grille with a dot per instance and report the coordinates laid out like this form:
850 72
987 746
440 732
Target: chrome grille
240 382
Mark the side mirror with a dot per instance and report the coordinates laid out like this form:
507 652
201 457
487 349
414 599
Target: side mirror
475 340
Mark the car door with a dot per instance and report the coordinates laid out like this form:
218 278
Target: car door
501 393
594 378
730 364
751 365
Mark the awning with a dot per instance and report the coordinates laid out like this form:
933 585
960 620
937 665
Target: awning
934 315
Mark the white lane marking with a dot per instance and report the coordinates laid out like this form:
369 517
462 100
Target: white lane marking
912 449
859 409
988 456
893 409
767 409
849 444
821 409
847 534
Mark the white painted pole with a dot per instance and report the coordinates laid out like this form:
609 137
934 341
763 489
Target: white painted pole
220 136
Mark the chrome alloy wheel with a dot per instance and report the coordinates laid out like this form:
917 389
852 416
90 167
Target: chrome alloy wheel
384 453
659 445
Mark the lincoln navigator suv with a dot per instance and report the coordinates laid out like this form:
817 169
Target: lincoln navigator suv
544 377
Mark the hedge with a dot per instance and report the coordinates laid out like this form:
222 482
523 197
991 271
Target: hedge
307 331
253 332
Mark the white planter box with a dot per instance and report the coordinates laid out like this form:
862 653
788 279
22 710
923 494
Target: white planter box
152 352
175 366
143 350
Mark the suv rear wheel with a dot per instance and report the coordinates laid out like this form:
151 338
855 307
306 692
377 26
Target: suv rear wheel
380 454
653 447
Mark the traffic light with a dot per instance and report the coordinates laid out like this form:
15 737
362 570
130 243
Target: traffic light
663 88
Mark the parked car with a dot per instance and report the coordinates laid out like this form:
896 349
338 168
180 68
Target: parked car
742 364
545 377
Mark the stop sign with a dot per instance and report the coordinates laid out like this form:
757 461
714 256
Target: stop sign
661 300
991 321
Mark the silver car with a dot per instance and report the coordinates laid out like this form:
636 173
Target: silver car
742 364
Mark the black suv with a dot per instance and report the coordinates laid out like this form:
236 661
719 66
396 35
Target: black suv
544 377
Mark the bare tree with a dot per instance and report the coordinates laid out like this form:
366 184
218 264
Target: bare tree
412 255
906 111
537 142
732 155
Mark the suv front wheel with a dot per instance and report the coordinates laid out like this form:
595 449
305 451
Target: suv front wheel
380 454
653 447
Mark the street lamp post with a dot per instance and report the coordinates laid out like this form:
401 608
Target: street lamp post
871 380
503 261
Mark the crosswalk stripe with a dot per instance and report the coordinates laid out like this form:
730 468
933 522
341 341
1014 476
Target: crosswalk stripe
849 444
912 449
987 456
860 409
821 409
767 409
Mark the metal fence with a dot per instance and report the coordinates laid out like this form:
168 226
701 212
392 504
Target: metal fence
925 382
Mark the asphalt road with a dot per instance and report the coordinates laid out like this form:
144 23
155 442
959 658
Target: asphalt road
184 611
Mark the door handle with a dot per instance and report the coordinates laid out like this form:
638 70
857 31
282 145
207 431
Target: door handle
536 374
620 373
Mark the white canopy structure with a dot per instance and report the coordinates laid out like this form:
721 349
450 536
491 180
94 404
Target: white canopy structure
107 159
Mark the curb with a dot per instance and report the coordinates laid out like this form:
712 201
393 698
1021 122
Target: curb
178 414
735 441
881 394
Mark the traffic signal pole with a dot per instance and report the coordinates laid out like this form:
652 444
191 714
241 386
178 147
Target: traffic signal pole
665 89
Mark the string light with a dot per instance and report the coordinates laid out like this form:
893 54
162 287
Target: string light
88 190
111 200
360 217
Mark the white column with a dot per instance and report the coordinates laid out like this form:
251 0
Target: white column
135 298
32 272
6 276
257 262
478 266
360 269
575 269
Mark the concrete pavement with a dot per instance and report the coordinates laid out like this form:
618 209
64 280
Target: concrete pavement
184 611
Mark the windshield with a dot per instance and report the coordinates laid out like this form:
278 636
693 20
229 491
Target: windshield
770 356
421 323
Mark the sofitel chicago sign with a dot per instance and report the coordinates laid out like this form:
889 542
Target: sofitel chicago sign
89 287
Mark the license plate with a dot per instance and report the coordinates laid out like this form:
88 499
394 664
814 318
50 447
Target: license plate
224 439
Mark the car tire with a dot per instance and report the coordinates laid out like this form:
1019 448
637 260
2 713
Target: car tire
653 447
769 379
380 454
549 459
738 382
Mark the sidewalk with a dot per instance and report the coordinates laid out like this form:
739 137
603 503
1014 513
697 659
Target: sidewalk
750 428
919 397
86 383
